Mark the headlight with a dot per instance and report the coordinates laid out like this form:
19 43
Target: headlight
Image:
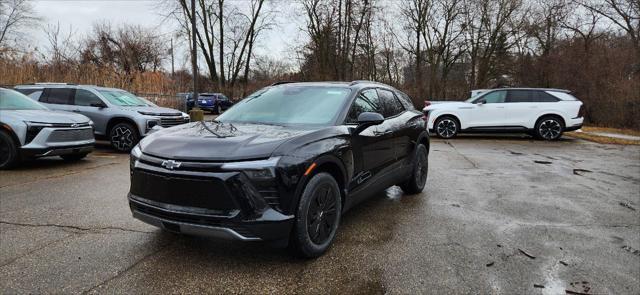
136 152
260 169
33 128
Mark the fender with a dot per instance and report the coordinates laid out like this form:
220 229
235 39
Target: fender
319 161
9 130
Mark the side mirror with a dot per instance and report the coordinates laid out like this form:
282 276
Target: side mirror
481 102
367 119
98 105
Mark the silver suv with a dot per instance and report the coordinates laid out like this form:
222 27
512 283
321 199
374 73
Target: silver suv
29 130
118 115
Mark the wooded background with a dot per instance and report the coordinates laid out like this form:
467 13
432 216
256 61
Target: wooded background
430 49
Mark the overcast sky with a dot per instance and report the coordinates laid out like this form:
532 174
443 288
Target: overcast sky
81 14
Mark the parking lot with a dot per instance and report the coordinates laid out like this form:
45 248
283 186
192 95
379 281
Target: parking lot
499 215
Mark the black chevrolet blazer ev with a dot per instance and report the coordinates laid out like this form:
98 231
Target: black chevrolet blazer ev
281 165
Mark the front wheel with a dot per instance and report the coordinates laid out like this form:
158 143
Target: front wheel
8 151
418 180
317 217
447 127
124 137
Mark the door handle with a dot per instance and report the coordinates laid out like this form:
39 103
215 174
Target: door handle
377 133
75 111
499 107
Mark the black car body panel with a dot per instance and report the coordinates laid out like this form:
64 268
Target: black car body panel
206 177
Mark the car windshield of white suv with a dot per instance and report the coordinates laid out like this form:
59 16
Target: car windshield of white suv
289 105
13 100
123 98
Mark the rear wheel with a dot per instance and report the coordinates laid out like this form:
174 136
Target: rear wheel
218 110
8 151
124 137
446 127
74 157
416 183
317 217
549 128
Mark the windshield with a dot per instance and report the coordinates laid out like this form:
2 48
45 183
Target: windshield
13 100
123 98
288 105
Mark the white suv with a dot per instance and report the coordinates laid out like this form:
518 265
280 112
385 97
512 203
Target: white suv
544 113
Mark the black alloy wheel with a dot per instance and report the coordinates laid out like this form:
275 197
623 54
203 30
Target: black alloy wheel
318 216
124 137
549 128
8 151
218 110
446 127
418 179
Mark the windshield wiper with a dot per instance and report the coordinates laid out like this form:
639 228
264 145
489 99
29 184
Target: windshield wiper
209 129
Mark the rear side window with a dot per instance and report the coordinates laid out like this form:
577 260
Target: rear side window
541 96
86 98
406 101
520 96
58 95
391 106
561 95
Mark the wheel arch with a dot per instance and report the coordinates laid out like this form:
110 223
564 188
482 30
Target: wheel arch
324 163
550 114
6 128
117 120
448 114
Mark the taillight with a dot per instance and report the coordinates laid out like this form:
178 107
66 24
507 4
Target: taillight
581 111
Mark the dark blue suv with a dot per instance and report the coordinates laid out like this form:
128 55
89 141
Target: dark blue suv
214 102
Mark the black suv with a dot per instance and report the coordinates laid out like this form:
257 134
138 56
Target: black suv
282 164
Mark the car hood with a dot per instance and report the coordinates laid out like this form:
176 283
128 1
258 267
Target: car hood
441 105
155 110
47 116
210 141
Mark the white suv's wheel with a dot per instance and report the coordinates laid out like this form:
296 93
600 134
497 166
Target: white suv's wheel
446 127
549 128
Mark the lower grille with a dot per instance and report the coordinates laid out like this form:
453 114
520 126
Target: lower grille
189 218
65 135
172 121
210 193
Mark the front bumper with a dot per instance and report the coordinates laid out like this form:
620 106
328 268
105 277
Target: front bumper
56 151
59 141
270 226
218 204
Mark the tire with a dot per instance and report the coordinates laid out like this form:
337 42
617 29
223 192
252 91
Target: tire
549 128
74 157
8 151
317 217
218 110
416 183
446 127
123 137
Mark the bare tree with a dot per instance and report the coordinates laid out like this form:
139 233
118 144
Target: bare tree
623 13
15 15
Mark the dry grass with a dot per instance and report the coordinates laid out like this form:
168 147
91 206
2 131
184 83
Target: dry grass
612 130
602 139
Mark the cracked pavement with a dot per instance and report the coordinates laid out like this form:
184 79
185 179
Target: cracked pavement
67 228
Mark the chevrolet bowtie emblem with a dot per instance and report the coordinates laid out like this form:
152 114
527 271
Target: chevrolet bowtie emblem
171 164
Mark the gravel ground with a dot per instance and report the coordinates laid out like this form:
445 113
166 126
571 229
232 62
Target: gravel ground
499 215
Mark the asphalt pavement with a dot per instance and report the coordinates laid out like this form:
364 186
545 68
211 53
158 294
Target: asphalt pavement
501 215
